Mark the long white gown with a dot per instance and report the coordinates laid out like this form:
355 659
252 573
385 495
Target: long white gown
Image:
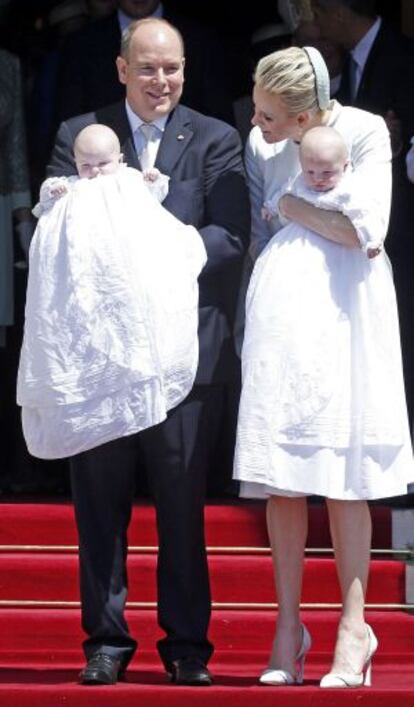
322 409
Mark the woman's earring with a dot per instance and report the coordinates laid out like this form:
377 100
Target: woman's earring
299 135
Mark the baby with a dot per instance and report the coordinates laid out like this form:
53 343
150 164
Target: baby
110 341
97 151
324 159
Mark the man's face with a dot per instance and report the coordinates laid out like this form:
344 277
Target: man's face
154 71
101 8
326 17
137 9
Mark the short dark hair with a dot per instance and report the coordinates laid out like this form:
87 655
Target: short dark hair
366 8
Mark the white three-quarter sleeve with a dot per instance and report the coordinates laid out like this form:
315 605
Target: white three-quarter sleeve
255 178
370 202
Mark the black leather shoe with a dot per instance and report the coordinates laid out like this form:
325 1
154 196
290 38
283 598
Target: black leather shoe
101 669
189 671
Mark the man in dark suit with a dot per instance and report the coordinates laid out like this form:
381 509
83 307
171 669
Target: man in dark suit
378 76
88 79
202 156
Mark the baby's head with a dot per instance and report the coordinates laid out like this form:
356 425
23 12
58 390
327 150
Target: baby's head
97 151
324 157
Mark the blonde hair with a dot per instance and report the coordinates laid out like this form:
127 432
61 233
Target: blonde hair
130 31
289 74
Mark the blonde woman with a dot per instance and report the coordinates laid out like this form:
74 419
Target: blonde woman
322 409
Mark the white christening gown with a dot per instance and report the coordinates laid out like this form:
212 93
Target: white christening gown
110 341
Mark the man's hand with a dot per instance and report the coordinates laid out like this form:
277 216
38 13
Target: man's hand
395 129
24 231
58 189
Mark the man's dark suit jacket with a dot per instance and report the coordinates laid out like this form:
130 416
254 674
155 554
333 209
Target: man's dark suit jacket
387 82
207 189
88 77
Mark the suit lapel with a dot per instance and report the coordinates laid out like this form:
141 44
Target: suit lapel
370 62
344 93
129 152
177 136
116 118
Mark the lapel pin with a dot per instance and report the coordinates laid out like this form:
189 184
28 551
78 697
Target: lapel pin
180 137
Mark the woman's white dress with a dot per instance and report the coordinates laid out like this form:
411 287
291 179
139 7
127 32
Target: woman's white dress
322 409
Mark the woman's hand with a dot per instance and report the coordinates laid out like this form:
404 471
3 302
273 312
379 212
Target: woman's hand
284 204
331 225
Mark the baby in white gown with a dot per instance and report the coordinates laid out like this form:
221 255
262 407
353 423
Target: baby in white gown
322 408
325 162
97 152
110 341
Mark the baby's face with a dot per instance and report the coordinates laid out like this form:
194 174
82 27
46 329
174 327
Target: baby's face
91 162
322 175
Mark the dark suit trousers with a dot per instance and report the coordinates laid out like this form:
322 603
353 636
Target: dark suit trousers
176 456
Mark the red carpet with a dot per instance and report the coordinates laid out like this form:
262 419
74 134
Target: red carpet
53 577
52 637
40 645
241 524
149 689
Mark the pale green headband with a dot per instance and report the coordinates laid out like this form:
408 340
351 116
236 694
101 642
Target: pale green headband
322 82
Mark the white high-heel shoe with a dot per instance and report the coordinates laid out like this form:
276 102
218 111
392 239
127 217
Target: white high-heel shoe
354 679
273 676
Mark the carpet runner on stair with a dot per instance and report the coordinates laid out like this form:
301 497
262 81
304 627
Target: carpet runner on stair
40 636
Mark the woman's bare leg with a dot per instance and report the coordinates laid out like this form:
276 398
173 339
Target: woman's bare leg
287 523
351 531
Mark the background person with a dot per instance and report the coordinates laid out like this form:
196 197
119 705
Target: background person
16 231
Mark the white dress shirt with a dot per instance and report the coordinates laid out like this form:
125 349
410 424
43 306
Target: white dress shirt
135 123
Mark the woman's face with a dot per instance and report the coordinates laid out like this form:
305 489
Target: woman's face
273 119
